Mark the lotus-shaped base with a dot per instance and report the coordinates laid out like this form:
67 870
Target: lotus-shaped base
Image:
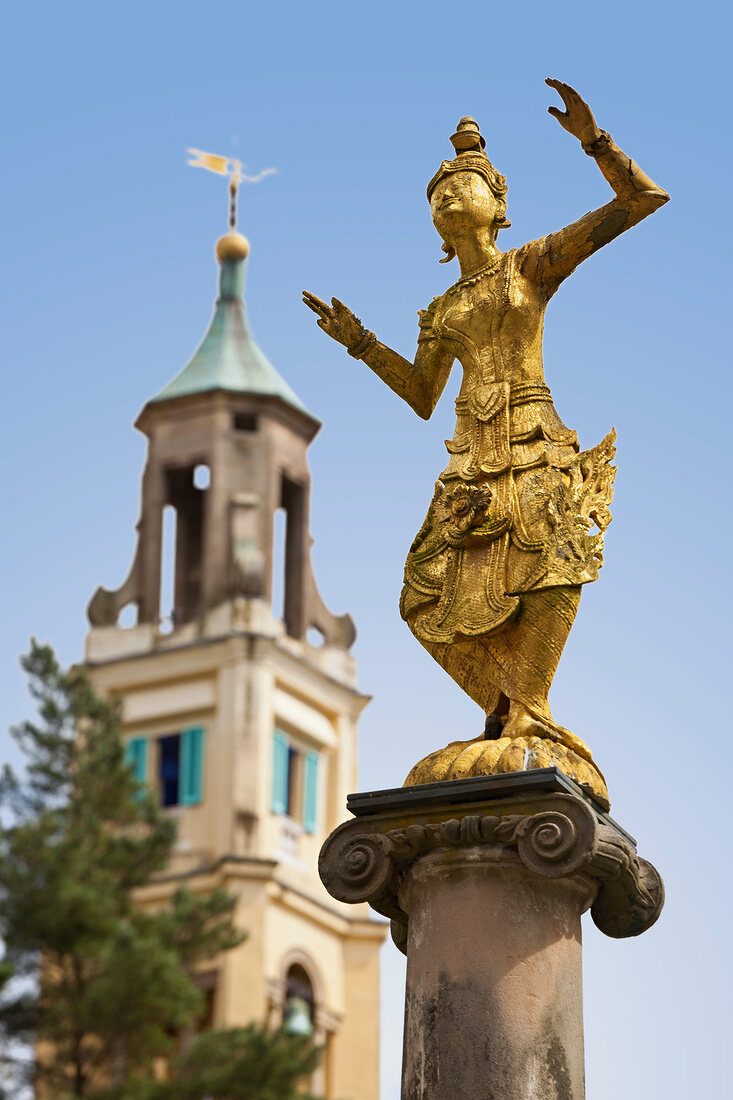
482 756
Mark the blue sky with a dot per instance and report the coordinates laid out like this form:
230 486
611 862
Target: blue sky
107 282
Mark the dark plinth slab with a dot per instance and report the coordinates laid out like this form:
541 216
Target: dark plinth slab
477 788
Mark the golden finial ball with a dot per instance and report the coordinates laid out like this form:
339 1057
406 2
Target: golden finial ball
232 246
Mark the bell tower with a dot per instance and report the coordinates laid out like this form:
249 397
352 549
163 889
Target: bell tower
227 442
244 727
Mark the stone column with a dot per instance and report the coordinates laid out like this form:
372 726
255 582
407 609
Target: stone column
494 979
485 881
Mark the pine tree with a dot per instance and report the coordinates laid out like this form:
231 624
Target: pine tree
95 988
247 1063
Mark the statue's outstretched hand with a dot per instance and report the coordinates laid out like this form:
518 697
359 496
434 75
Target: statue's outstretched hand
337 320
577 118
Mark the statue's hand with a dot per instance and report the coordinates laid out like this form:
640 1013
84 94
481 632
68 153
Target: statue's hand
577 118
337 320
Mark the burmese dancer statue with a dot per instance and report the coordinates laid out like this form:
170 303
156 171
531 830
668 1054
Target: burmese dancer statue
515 527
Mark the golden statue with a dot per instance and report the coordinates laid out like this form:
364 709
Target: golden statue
493 578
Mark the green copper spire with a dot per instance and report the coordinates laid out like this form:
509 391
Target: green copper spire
228 358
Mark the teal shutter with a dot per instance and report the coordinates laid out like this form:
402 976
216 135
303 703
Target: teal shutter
279 772
310 792
191 768
136 758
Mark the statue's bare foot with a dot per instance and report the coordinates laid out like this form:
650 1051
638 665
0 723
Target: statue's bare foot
520 723
516 742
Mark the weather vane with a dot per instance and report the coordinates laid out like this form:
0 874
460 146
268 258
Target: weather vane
227 166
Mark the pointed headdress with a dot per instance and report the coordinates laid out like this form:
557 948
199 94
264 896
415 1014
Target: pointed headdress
470 157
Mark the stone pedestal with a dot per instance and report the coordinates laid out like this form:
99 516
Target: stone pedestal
485 881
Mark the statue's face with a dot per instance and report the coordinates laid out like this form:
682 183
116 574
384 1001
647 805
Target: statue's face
462 200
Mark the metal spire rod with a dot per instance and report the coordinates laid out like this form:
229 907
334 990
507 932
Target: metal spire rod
234 180
227 166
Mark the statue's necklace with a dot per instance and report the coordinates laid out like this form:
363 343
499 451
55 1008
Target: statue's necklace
475 276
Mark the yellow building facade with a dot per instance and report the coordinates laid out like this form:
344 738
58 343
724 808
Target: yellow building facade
243 723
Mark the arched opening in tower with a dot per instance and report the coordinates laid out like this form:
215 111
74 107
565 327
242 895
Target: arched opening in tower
300 1003
186 489
289 558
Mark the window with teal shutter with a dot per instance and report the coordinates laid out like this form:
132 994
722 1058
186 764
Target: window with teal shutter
279 773
136 758
310 792
190 776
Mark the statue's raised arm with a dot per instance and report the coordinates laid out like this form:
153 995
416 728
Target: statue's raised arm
636 196
515 527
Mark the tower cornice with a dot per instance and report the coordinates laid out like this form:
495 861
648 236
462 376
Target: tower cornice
298 419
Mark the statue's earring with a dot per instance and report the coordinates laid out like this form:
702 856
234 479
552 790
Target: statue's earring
450 253
501 221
